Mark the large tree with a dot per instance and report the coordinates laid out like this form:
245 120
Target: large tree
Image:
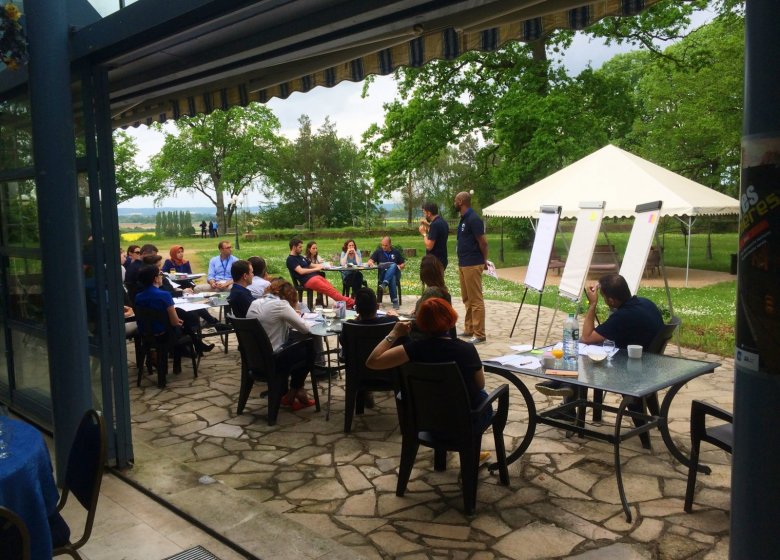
218 155
690 110
532 117
318 174
130 178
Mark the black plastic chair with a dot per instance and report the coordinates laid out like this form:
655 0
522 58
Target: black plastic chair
438 415
259 362
358 341
721 436
83 475
381 293
300 289
170 343
14 536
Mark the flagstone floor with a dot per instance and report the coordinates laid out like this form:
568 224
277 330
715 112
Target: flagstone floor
304 489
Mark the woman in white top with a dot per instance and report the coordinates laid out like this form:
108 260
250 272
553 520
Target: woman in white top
276 313
351 256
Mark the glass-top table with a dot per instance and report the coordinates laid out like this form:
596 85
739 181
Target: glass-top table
633 379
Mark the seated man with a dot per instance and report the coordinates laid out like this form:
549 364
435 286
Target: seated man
634 320
240 297
260 281
307 274
219 278
390 263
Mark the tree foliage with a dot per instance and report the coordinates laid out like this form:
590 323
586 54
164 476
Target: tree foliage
130 178
319 175
218 155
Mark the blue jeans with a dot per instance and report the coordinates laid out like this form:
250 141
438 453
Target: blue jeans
391 275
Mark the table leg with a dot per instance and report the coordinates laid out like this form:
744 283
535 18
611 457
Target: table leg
616 445
663 426
529 434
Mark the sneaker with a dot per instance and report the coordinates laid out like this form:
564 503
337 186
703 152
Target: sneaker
396 305
554 389
465 334
384 285
477 339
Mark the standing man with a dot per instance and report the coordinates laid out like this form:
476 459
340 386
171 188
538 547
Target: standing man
390 262
472 251
219 277
438 232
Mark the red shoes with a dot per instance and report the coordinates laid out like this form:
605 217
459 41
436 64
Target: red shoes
298 405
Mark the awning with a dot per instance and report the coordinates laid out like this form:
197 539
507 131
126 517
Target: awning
254 51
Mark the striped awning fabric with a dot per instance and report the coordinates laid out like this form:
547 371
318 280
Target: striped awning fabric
380 57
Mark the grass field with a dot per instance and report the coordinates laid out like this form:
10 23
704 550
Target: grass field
708 313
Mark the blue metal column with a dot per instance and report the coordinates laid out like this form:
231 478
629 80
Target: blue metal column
755 483
55 177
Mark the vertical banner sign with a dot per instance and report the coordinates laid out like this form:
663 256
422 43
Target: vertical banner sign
758 292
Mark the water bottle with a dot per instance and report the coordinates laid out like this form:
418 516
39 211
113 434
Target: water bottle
571 339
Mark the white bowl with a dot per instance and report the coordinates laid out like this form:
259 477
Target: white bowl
597 356
328 312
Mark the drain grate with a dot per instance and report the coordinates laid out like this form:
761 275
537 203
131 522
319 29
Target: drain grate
197 553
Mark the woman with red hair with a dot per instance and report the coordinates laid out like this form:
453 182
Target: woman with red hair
435 317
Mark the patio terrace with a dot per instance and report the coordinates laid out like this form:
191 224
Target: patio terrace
304 489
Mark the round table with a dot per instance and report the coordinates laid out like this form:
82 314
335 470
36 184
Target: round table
27 484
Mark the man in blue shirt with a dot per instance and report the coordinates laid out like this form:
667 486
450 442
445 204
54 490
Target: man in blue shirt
391 262
472 251
240 297
438 231
219 277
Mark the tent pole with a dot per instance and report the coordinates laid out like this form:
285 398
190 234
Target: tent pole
668 294
501 256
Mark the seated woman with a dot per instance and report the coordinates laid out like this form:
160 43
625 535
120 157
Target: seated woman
352 279
177 264
276 313
313 255
432 278
435 318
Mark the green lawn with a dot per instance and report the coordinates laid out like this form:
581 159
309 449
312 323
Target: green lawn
707 313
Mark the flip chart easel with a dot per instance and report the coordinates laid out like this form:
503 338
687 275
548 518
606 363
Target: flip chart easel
583 243
643 233
538 264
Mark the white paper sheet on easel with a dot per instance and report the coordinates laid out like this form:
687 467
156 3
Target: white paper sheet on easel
546 227
583 242
639 244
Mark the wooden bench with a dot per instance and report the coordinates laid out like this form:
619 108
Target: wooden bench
604 260
556 262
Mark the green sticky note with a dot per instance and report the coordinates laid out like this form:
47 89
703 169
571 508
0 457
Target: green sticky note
537 351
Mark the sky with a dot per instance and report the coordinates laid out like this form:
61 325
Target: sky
351 114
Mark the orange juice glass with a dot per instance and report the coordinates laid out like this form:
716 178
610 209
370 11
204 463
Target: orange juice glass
557 353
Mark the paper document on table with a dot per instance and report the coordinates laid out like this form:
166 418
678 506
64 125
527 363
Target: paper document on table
521 347
516 360
192 306
310 322
310 316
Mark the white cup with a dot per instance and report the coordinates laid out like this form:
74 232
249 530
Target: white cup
634 351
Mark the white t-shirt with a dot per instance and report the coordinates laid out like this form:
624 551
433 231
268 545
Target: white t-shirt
276 316
258 286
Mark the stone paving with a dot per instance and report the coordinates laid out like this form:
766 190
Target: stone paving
315 492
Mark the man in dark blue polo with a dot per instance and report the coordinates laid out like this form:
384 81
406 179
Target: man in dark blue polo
472 251
390 262
240 297
436 234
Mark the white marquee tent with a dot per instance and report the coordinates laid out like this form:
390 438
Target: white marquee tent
623 181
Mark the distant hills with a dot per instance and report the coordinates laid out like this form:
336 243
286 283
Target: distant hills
389 206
